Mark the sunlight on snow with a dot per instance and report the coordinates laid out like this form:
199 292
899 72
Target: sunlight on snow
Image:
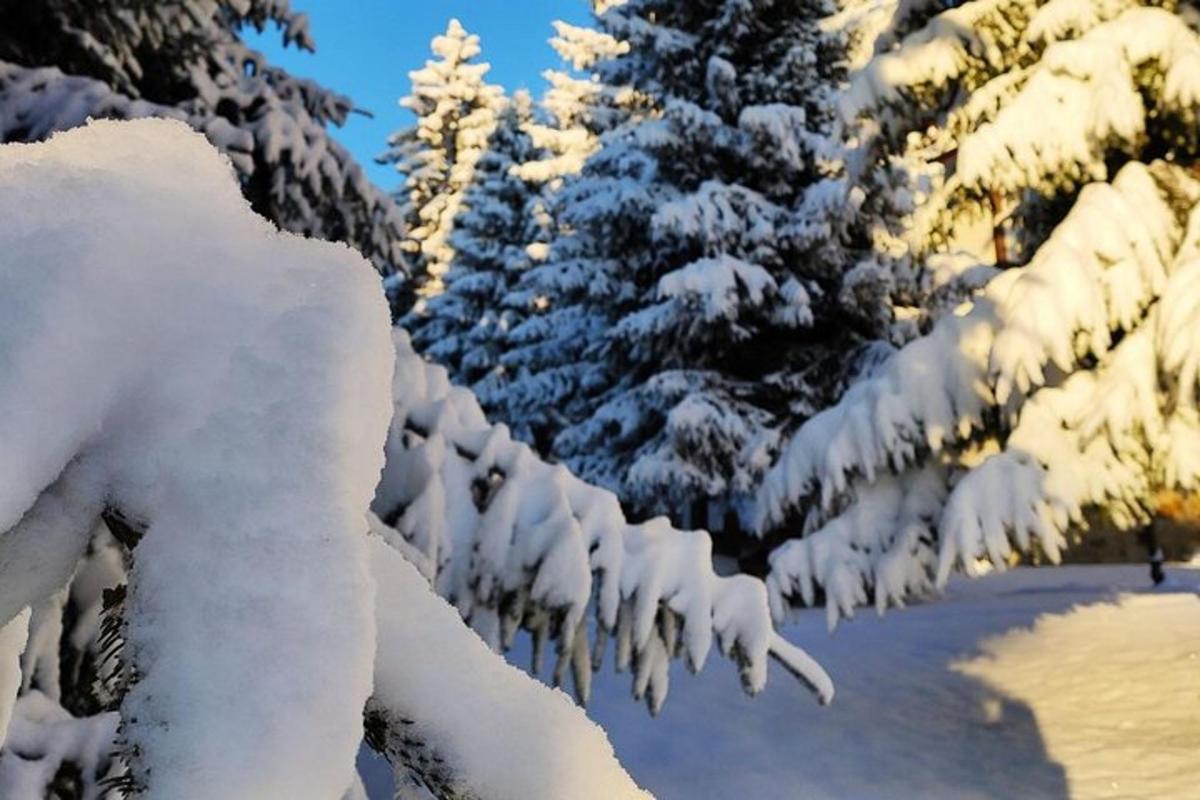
1115 690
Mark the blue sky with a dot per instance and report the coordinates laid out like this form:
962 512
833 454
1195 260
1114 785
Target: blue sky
365 48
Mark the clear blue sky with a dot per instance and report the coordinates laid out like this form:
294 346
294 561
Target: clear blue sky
366 48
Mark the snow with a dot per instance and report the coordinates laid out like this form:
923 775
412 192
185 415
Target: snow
972 36
456 113
1114 688
483 721
501 232
1070 681
189 61
1008 373
12 645
583 47
1066 19
171 359
1074 681
225 389
42 736
39 101
716 284
1063 384
151 326
538 544
1097 100
782 130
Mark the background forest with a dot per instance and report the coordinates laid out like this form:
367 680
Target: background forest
763 306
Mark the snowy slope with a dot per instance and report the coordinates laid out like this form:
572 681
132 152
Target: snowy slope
1069 682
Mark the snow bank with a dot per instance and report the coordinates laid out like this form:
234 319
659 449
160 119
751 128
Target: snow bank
150 333
471 724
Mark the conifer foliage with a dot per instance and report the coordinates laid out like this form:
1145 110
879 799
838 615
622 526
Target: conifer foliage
579 105
456 113
501 230
1068 382
64 61
684 316
195 600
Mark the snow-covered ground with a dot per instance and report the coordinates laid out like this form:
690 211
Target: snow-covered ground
1036 683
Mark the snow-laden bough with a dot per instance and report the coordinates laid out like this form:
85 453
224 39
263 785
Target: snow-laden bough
169 354
194 407
1063 386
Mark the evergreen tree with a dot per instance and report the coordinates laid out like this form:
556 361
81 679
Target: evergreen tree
1053 148
687 318
456 112
580 106
500 231
64 61
540 353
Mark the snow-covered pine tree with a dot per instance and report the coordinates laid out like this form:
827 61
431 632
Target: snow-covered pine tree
1059 140
501 230
456 112
579 104
578 107
65 61
686 317
195 601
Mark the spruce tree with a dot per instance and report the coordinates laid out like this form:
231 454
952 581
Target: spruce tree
1050 149
687 319
456 112
64 61
500 231
195 600
579 105
542 352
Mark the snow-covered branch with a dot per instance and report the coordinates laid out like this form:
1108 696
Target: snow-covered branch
996 427
67 62
193 601
458 721
537 546
152 368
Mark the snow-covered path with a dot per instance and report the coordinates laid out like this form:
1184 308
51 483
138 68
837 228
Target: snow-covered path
1070 682
1037 683
1115 689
